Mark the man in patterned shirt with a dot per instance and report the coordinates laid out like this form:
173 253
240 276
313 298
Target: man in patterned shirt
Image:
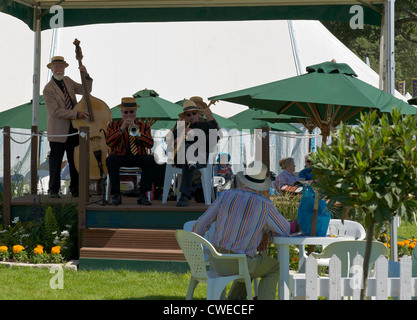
242 218
129 151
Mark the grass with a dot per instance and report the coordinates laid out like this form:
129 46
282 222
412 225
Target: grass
23 283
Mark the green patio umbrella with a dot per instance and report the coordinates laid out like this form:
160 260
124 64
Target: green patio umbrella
280 118
21 116
152 107
328 94
413 100
247 119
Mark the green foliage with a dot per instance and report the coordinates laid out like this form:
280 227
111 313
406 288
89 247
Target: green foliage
50 228
287 204
372 167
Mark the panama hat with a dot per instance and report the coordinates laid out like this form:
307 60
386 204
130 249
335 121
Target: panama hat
199 100
57 59
254 176
189 106
128 103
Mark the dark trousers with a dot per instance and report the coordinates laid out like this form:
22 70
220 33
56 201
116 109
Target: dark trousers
187 178
145 162
55 161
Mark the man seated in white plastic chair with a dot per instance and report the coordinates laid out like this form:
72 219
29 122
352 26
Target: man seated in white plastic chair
197 159
242 217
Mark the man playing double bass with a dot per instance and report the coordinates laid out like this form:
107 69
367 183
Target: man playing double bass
59 95
128 140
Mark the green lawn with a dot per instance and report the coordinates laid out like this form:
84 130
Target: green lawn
23 283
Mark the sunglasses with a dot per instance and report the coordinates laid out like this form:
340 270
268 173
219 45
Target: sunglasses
129 111
190 114
308 161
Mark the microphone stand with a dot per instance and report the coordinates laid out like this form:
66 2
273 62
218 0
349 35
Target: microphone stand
97 155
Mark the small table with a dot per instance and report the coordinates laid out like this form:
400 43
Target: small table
283 244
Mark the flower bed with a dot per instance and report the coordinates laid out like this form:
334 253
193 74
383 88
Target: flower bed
37 255
405 246
50 237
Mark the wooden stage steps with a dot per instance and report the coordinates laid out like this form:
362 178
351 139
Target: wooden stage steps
136 244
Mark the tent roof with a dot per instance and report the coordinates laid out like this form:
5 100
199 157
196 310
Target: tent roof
82 12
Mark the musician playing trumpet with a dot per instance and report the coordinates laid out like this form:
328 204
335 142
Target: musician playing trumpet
129 141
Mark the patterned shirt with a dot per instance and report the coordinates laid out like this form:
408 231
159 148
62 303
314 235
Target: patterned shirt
118 141
284 178
242 216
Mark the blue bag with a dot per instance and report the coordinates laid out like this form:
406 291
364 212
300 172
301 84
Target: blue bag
305 213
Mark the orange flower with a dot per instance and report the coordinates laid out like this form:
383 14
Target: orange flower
18 248
38 249
56 250
3 248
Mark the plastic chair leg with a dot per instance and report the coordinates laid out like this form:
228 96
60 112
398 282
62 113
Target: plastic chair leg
191 287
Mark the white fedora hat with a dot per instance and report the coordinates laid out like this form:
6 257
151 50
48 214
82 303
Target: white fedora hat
254 176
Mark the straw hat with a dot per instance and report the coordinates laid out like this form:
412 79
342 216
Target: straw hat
199 100
189 106
254 176
128 102
57 59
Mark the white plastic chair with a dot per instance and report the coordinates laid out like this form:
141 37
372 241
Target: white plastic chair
192 245
345 228
206 180
346 251
188 226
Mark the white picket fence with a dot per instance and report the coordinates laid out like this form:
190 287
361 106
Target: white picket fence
384 282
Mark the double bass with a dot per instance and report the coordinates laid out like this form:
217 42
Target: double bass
100 115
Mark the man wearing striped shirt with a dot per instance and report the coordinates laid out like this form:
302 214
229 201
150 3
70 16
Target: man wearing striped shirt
127 150
242 218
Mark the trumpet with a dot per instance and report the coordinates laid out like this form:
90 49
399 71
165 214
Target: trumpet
133 130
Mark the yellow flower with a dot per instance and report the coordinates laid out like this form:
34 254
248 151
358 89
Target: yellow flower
412 245
38 249
18 248
401 243
3 248
56 250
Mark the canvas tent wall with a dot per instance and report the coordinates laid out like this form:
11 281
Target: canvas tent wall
180 60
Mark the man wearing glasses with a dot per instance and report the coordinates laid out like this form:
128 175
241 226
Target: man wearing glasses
197 135
129 141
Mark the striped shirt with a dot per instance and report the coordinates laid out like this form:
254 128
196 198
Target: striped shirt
242 216
118 141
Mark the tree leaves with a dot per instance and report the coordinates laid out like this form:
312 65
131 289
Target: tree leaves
372 166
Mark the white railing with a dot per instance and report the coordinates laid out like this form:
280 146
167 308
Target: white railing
382 284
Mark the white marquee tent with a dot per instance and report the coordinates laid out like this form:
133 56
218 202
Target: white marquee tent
178 60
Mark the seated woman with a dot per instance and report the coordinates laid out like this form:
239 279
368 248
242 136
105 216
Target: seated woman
306 172
286 177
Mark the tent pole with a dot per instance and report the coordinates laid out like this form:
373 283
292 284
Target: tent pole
382 74
389 87
390 15
36 65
